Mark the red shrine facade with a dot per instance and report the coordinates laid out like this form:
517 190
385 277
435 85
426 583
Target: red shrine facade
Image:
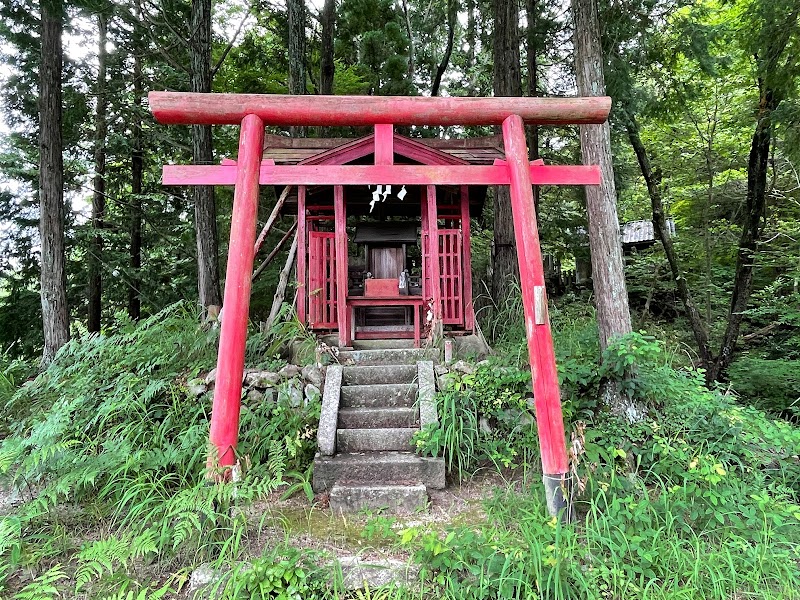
407 269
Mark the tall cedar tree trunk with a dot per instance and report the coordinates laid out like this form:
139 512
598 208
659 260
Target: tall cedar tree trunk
137 171
297 53
326 64
452 14
532 47
652 177
55 315
752 228
507 82
472 35
205 209
412 52
611 296
95 258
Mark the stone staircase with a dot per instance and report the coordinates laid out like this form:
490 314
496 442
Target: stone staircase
373 403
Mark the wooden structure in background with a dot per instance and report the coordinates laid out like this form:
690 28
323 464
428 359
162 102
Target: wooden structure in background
322 221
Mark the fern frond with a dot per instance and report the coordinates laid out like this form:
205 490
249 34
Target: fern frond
101 556
43 587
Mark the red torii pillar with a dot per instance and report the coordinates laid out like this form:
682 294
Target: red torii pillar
253 112
236 302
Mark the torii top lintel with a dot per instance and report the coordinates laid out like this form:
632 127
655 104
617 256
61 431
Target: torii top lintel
188 108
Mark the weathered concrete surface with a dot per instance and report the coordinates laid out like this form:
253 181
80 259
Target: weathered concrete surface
358 573
384 394
352 498
382 344
326 434
386 467
379 417
393 356
427 393
374 440
372 375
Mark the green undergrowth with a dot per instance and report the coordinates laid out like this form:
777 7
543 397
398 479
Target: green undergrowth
699 499
108 451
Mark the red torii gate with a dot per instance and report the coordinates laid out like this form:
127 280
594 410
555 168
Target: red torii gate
253 112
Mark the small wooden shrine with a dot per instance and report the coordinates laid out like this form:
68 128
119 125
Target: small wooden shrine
408 246
428 185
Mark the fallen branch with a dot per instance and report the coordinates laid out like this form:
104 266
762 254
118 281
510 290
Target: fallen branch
272 218
759 332
274 252
283 281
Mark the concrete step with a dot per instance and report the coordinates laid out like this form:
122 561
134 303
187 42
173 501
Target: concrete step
382 344
366 375
380 395
373 418
386 467
354 497
401 356
374 440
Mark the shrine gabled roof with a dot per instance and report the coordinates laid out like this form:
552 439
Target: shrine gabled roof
291 151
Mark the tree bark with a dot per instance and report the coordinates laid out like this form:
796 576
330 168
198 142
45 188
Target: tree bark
326 64
611 296
652 178
507 82
452 14
472 33
297 53
752 228
55 315
205 209
95 258
532 48
283 282
412 51
137 171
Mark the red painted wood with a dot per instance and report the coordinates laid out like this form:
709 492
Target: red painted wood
384 144
469 308
435 288
344 153
547 397
380 287
321 280
187 108
381 175
424 154
423 243
302 255
341 264
451 276
233 334
415 302
383 335
395 300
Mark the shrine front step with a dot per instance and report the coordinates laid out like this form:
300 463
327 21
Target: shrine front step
378 418
388 356
380 374
386 468
355 497
375 440
379 395
394 344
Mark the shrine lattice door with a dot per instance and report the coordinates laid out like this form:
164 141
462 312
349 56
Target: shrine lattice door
450 269
322 280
